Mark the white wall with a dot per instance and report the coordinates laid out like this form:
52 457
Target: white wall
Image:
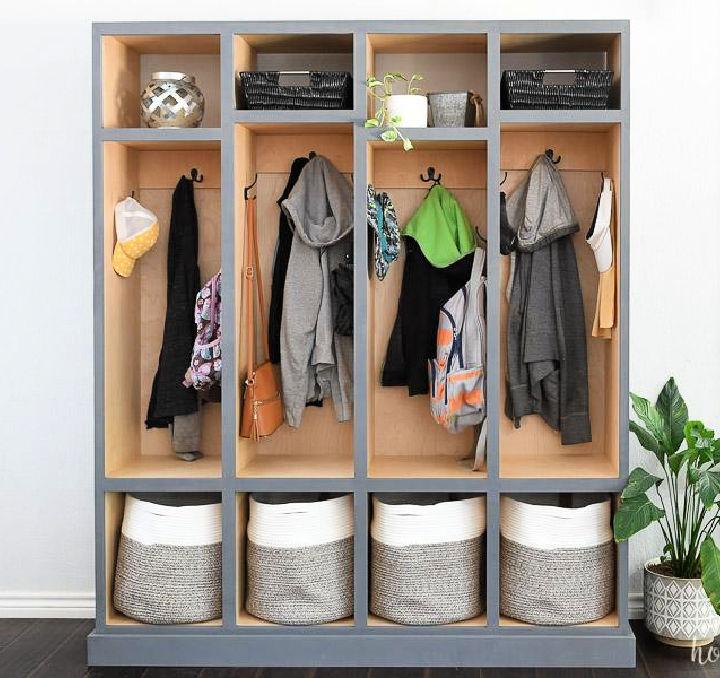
46 418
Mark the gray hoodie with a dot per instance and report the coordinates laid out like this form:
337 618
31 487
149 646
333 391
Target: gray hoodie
315 361
546 343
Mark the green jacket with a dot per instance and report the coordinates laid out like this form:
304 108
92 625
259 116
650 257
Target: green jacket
441 228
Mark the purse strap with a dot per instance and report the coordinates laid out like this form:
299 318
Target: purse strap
253 281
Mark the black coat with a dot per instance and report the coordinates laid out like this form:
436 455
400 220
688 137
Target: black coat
282 256
414 337
169 398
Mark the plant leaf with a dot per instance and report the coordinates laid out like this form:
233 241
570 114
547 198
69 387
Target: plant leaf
652 420
701 440
710 563
407 144
647 440
414 90
639 482
633 515
676 460
708 486
395 74
389 135
395 119
674 412
372 122
373 82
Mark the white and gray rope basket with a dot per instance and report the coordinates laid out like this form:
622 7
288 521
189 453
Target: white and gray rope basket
169 561
557 564
427 558
300 558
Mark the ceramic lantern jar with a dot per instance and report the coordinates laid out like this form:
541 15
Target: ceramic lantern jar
677 611
172 99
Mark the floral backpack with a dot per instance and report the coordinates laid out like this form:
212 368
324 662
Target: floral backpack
457 374
206 363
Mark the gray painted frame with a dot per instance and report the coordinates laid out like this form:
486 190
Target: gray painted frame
358 645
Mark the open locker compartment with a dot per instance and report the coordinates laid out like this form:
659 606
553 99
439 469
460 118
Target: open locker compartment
321 447
128 62
114 511
135 306
447 62
588 152
404 441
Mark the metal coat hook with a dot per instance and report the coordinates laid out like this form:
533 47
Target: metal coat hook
312 154
248 188
504 179
431 177
132 194
550 153
194 176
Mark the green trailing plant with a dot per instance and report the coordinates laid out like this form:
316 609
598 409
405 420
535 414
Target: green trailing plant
381 90
685 499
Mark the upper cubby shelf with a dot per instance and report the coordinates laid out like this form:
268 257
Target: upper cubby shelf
560 55
293 59
448 62
128 62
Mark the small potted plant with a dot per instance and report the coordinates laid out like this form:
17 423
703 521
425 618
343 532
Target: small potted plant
397 110
682 587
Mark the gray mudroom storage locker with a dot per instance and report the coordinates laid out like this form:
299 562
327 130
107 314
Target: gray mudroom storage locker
556 563
426 558
300 558
391 444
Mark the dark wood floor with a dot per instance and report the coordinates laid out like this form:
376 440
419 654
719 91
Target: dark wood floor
55 648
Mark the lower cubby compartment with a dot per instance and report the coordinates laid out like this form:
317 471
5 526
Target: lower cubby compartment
166 550
295 559
404 441
558 560
135 306
427 560
320 447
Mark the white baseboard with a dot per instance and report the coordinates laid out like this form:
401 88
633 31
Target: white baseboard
82 605
48 604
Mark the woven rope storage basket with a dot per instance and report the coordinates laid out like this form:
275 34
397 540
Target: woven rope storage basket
557 564
169 561
527 90
426 560
300 558
264 91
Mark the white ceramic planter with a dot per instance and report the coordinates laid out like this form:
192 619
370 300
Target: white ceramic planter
412 109
677 611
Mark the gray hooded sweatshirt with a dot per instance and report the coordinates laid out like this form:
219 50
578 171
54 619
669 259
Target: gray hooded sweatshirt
316 362
547 354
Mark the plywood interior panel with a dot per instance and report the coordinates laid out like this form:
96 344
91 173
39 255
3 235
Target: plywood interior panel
320 447
534 449
135 309
437 43
128 61
557 42
407 442
609 620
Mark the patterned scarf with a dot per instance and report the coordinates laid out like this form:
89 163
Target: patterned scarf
382 222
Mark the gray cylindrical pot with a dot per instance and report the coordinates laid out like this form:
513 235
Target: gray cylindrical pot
677 611
451 109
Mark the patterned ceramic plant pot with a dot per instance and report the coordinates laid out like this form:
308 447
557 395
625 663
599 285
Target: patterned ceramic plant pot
677 610
172 99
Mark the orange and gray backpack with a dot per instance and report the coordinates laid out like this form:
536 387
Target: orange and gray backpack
457 374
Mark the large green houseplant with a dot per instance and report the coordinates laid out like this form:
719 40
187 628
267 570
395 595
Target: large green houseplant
684 500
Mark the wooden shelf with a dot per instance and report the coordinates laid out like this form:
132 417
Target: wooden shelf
156 466
563 121
426 466
298 466
610 620
557 464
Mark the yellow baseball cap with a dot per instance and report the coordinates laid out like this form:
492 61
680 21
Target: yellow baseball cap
137 230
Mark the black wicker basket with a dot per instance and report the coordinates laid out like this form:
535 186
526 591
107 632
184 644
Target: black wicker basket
262 91
525 90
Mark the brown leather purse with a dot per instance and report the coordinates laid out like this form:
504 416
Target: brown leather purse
262 411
